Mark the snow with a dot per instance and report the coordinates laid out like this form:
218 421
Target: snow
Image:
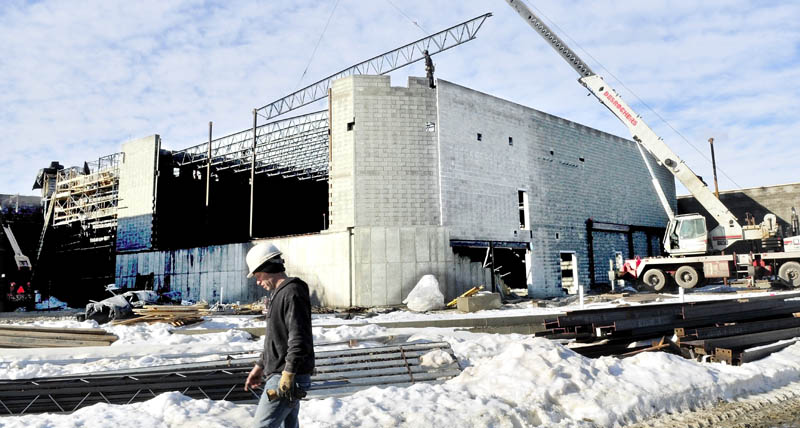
508 380
425 296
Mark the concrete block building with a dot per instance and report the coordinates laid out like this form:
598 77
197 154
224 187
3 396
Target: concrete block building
447 181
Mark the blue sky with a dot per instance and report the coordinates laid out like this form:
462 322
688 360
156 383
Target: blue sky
77 79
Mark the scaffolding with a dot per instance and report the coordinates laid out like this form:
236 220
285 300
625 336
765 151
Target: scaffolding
88 194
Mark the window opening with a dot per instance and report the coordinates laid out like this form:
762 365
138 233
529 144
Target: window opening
569 271
510 141
351 125
480 137
524 213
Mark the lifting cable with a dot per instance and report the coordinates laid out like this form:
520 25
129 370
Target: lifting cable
409 18
318 42
575 43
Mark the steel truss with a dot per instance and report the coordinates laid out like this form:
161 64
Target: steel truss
88 197
294 147
381 64
338 373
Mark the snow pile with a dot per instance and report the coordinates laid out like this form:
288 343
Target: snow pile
425 296
170 409
508 381
435 358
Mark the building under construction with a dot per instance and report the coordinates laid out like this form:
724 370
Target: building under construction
385 185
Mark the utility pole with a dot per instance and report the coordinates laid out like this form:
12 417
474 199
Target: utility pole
716 188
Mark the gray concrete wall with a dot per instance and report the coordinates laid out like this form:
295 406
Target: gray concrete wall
198 273
758 201
380 135
389 261
341 181
323 261
201 273
137 186
571 173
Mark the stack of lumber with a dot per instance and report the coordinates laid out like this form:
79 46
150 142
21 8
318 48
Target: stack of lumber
17 336
702 328
173 314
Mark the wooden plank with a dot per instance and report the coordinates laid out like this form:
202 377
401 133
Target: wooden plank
29 342
54 329
53 335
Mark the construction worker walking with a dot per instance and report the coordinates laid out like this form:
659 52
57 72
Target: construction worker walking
288 357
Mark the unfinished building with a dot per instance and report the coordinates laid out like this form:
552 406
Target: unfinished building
385 185
412 181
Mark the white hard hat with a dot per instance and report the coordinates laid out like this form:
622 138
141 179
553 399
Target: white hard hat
259 254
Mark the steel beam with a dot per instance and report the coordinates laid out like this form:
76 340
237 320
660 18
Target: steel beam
381 64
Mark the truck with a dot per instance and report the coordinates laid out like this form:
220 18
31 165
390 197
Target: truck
694 253
15 272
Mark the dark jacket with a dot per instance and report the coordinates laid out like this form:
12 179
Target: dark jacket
289 343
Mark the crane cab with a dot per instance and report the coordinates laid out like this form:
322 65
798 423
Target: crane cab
686 234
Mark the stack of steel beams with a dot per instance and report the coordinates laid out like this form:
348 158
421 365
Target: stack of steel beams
339 372
721 329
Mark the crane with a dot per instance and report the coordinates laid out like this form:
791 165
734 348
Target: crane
686 235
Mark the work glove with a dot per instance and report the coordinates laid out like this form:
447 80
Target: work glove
287 387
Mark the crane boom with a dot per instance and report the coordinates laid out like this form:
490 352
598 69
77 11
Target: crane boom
729 229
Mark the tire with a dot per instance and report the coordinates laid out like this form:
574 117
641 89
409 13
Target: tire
687 277
655 279
789 273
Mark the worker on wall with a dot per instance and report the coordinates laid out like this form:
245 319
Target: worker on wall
288 357
429 69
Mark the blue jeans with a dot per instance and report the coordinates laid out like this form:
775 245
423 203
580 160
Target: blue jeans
280 413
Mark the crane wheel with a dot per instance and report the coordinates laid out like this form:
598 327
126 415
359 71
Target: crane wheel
789 273
655 279
686 277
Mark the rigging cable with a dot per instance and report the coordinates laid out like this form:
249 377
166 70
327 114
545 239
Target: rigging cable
561 31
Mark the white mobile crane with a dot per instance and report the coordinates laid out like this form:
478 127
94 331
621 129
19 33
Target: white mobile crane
694 252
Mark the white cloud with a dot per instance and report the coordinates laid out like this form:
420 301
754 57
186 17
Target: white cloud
78 79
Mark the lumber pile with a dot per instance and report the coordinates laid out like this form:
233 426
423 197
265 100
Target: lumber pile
175 315
16 336
180 315
723 330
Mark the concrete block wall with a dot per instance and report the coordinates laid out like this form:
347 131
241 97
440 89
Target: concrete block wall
137 184
386 137
341 181
758 201
570 172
